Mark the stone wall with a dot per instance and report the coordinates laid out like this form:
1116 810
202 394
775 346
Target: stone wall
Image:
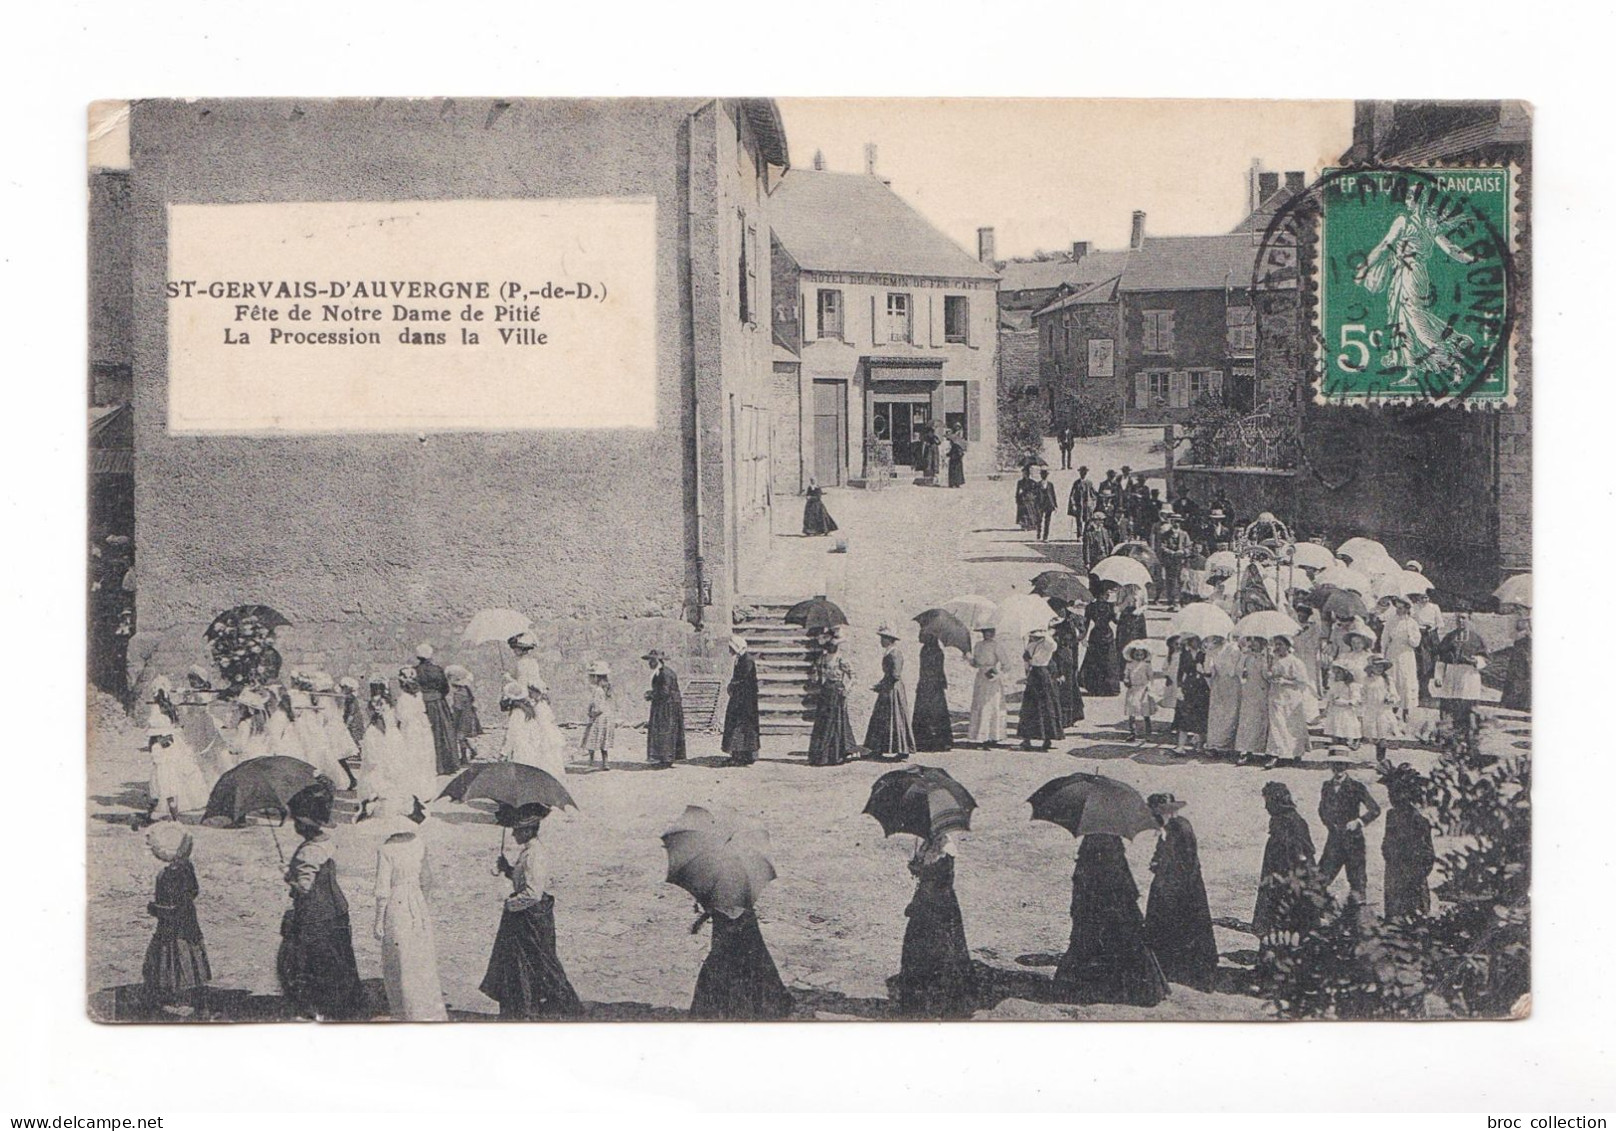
367 542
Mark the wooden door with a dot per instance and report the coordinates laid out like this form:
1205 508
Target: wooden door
830 432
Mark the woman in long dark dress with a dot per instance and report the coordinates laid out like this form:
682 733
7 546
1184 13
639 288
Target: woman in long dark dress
936 978
738 980
665 732
956 462
1178 922
741 732
316 965
816 520
934 728
524 971
1407 847
832 741
1040 719
1108 959
1289 896
1099 674
1518 677
1194 693
1068 641
175 972
888 733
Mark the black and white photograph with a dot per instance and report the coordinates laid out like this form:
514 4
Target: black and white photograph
677 559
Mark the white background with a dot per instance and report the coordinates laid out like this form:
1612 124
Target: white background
60 56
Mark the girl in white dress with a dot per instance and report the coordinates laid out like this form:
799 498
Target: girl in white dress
404 920
1380 703
1251 732
1223 663
1343 711
1288 705
525 727
381 752
177 781
312 734
1399 643
418 775
280 727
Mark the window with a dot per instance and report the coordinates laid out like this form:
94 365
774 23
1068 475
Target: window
956 318
1158 331
1242 331
830 314
747 275
954 418
1205 383
900 324
1152 389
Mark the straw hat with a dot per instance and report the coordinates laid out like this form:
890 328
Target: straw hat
423 651
599 667
887 632
737 645
1164 803
522 642
169 841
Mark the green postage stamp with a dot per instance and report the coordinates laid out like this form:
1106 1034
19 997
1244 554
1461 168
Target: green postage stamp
1416 285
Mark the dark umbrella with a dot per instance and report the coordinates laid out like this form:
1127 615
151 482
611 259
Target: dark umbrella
1141 553
232 619
946 628
815 613
258 785
512 784
1344 604
718 860
1086 804
921 801
1032 459
1059 585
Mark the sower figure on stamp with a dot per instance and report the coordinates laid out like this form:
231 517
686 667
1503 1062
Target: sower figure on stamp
1345 807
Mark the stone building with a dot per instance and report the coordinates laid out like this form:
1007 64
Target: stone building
614 540
884 324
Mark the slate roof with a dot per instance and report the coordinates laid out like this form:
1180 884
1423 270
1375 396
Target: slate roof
854 223
1051 273
1098 294
1191 263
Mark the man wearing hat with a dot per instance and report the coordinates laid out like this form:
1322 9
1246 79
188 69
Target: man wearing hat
434 685
1173 545
316 965
1345 807
889 732
1080 503
665 733
741 730
1178 920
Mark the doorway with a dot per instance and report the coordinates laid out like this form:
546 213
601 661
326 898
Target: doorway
830 432
902 422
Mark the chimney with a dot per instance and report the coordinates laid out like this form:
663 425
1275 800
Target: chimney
869 158
1137 239
1295 183
819 161
1267 186
1080 248
984 245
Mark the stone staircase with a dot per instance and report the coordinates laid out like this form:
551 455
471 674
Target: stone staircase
784 659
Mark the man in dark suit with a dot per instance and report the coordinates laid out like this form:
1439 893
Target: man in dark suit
1045 503
1345 807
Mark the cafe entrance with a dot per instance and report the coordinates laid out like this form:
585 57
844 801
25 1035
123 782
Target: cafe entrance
902 418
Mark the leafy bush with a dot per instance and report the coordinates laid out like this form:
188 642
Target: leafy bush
1097 416
1473 952
1023 424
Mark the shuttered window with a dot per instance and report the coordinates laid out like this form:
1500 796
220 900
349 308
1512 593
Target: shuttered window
973 410
1157 331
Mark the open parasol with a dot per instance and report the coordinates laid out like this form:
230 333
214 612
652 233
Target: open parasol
815 613
1092 804
1201 619
512 784
1516 591
922 801
1018 615
1345 577
1122 571
973 611
1058 585
1223 561
1267 624
1139 552
1311 555
1359 548
944 627
718 860
490 625
258 785
1343 605
1403 583
1374 567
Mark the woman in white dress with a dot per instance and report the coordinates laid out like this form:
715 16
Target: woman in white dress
404 920
418 774
312 734
1223 662
1287 704
987 693
381 751
177 782
532 735
1399 643
1251 731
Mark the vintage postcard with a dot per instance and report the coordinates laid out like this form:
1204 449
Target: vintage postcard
751 559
